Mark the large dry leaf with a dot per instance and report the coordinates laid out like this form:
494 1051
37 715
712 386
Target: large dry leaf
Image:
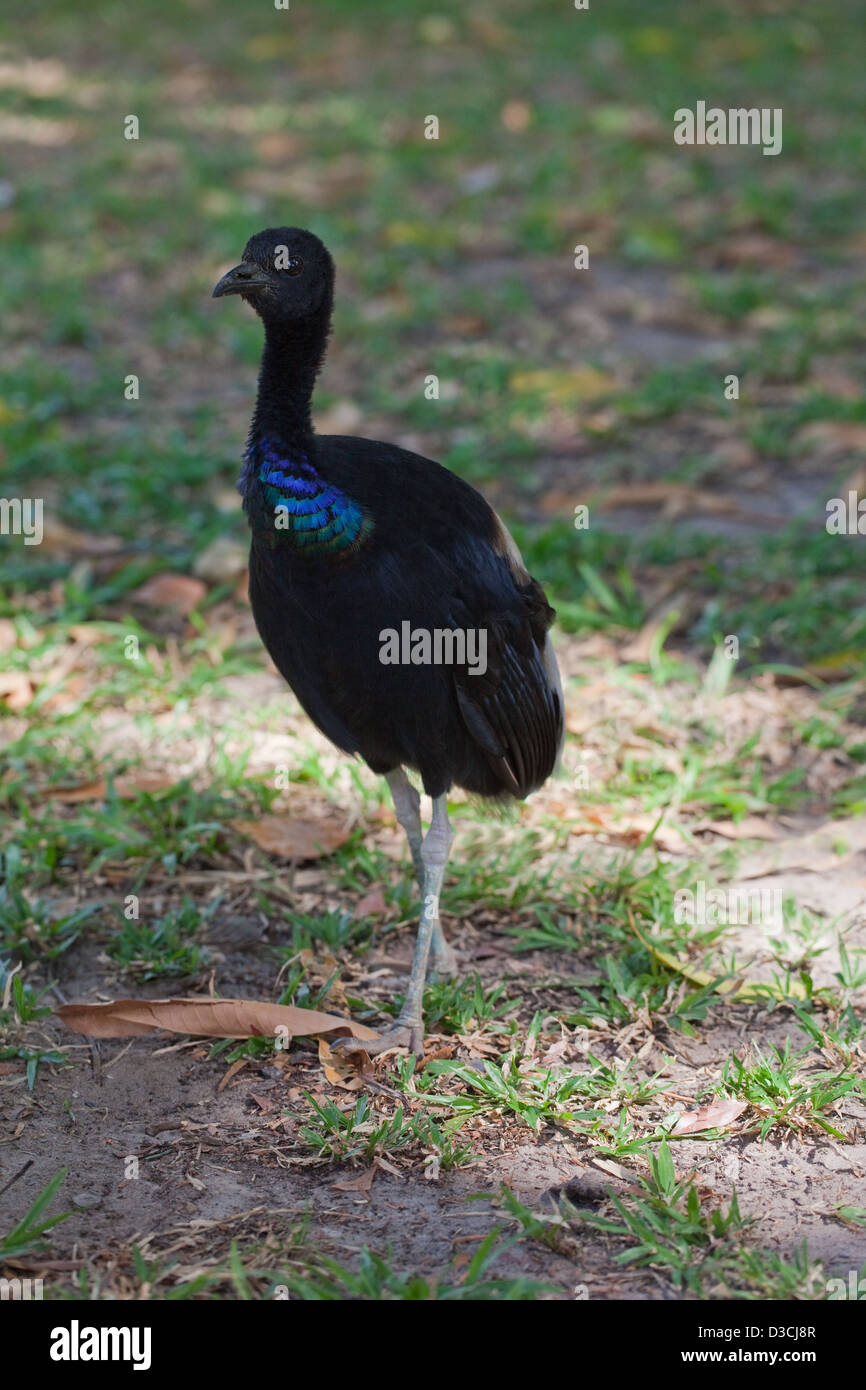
675 499
126 788
719 1114
179 592
57 536
209 1018
296 837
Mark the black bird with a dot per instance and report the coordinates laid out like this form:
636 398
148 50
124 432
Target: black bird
389 595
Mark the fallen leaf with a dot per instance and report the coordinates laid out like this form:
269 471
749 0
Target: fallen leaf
632 830
832 438
296 837
675 499
57 536
325 970
232 1071
749 828
15 690
388 1167
515 116
340 1070
754 250
180 593
371 905
125 787
221 562
615 1170
362 1183
206 1017
728 989
719 1114
276 145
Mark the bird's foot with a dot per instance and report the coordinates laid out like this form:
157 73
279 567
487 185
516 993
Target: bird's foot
443 962
404 1032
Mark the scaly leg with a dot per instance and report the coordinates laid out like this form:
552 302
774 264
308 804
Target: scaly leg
407 805
408 1029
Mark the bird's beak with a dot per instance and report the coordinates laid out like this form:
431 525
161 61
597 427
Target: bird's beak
241 279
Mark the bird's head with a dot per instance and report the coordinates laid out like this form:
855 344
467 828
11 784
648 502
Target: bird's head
286 274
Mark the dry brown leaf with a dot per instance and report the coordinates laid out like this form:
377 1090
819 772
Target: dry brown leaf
749 828
15 690
222 561
834 380
674 499
296 837
86 634
515 116
341 1070
719 1114
127 788
232 1071
755 249
616 1170
275 145
57 536
832 438
633 829
206 1017
179 592
362 1183
371 905
388 1167
325 970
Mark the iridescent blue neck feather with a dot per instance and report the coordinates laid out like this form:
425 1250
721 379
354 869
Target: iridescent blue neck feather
289 501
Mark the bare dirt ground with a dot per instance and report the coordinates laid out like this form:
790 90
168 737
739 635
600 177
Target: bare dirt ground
218 1149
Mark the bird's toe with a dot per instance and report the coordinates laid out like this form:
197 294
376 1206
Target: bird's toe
408 1033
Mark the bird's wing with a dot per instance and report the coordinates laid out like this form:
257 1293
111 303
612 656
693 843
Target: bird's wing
515 711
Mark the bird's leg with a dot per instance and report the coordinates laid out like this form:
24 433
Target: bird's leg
408 1029
407 805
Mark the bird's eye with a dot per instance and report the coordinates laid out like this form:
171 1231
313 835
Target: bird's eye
295 266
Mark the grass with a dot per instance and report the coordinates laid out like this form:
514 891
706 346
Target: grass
27 1236
786 1094
149 950
699 1244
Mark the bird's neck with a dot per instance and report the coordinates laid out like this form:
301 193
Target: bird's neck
291 360
287 500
